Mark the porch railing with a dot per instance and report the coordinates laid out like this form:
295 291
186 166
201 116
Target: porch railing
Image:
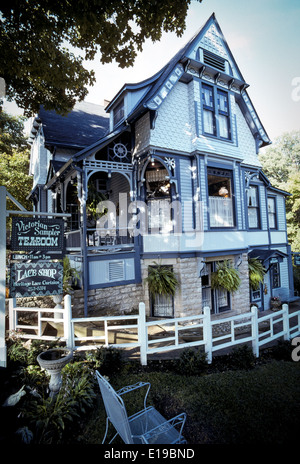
98 238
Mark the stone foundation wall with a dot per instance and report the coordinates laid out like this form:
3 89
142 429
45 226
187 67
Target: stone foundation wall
110 301
187 299
125 299
240 299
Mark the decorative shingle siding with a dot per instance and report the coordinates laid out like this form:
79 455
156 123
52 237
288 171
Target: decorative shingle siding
142 133
173 129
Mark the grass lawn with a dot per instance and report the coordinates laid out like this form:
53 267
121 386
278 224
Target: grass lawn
233 407
235 400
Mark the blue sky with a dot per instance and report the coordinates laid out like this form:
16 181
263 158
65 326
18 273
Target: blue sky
264 37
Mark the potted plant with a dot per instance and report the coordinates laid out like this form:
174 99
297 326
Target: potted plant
69 275
225 277
275 303
161 280
256 273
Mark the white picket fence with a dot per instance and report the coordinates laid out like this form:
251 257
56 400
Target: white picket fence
157 336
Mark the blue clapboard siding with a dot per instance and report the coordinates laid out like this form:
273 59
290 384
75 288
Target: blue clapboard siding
280 212
263 207
186 192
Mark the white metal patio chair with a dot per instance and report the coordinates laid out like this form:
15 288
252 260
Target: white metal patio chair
147 426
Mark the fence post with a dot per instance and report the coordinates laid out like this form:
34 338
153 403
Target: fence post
67 315
207 333
254 325
142 334
12 303
286 322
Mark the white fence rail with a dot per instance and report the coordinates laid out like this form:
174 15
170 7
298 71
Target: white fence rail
159 335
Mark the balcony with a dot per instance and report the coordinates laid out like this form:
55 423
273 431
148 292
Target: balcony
108 240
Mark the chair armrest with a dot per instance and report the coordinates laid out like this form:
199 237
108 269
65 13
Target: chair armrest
178 420
130 388
133 387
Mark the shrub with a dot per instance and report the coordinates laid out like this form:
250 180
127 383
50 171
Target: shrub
107 360
49 418
241 357
282 350
191 362
26 353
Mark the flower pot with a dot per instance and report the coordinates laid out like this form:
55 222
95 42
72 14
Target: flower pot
275 304
53 361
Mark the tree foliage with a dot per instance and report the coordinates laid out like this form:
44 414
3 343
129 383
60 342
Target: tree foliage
14 158
36 39
281 164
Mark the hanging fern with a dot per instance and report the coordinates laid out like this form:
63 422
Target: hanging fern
256 273
226 277
161 280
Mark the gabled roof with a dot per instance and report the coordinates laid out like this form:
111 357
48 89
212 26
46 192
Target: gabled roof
162 83
83 126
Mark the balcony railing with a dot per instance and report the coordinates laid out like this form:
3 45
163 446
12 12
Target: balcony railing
221 212
100 238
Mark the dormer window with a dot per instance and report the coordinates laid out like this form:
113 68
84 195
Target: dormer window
118 113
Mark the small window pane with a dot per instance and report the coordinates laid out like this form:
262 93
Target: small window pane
222 102
223 126
207 96
208 122
253 211
272 213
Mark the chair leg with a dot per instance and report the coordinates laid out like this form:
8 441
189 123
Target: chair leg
106 430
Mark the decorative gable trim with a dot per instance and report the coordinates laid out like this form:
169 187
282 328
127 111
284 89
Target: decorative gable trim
165 88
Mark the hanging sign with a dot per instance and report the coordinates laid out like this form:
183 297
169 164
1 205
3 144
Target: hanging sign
30 234
36 279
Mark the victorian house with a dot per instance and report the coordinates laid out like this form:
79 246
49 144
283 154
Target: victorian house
167 173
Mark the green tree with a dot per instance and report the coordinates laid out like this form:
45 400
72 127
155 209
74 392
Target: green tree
281 164
282 158
12 133
36 39
14 158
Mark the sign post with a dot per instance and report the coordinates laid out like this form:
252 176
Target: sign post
37 235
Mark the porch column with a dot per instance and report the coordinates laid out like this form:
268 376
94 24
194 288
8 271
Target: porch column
2 274
82 196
